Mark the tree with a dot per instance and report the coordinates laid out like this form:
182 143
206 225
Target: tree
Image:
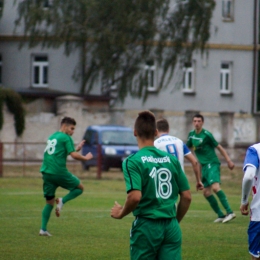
13 101
14 104
1 7
117 37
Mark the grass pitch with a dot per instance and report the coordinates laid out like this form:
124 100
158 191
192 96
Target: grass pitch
85 229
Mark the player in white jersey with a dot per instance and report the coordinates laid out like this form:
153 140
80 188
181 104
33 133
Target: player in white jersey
251 182
176 147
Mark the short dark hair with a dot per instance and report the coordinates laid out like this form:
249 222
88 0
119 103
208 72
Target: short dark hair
68 121
145 125
199 116
162 125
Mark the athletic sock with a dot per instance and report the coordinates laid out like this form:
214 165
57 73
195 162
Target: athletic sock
223 199
72 195
214 205
46 213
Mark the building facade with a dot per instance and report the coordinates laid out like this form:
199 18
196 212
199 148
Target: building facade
224 78
222 83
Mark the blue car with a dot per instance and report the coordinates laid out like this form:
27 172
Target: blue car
114 142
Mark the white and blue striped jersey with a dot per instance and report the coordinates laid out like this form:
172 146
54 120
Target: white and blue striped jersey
174 146
252 158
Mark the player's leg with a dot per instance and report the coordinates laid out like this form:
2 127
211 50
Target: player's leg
75 187
171 246
213 204
222 197
254 239
145 239
215 177
207 192
49 189
46 213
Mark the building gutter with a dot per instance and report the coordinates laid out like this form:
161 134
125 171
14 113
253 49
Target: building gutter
255 58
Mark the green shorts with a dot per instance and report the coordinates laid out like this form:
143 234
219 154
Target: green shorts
155 239
210 174
52 181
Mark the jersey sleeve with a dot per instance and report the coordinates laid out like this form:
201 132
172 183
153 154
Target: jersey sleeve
251 158
132 176
69 145
186 150
212 139
189 142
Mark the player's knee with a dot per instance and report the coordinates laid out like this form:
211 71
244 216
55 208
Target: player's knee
216 188
81 187
49 197
50 200
206 193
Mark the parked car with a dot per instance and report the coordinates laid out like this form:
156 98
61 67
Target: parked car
115 143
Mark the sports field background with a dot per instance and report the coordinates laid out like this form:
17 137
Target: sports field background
85 229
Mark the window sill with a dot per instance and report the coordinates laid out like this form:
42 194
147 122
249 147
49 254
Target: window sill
227 20
226 93
152 90
188 92
40 86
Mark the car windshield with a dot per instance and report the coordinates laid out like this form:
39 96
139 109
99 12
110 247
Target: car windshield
118 138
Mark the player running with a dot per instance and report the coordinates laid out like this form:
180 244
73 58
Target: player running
55 173
203 143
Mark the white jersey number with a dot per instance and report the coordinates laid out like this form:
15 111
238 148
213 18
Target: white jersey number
50 148
171 149
162 180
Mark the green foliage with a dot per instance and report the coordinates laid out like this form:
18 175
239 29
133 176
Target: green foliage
1 7
14 104
117 37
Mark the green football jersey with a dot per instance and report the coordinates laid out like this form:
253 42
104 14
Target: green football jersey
160 178
59 146
204 145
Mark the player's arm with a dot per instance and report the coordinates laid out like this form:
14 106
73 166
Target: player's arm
246 188
196 169
223 152
183 205
77 156
79 146
132 200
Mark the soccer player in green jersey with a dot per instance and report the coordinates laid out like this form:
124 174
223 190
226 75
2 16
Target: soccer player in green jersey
203 144
154 181
55 173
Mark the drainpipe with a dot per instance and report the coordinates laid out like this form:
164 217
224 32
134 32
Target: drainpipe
255 57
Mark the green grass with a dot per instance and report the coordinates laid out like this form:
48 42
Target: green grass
85 229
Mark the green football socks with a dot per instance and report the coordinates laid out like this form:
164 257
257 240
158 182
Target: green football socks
46 213
72 195
223 199
214 205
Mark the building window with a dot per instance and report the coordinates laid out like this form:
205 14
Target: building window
46 4
225 78
149 76
40 71
228 10
1 69
188 77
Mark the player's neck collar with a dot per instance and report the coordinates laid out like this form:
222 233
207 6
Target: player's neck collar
164 134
